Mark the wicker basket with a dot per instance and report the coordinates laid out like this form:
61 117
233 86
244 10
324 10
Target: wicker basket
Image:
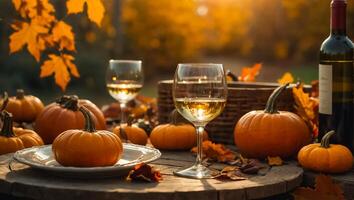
242 98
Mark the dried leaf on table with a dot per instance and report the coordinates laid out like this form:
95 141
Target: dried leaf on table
217 152
274 161
230 173
252 166
286 78
144 172
248 74
325 189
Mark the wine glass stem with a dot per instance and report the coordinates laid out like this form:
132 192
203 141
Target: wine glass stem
122 111
200 131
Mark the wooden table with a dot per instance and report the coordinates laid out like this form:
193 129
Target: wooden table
26 182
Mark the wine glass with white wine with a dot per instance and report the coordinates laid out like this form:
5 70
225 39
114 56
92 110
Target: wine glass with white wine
199 94
124 79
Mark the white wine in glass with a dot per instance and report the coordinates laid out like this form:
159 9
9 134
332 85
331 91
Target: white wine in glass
124 79
199 95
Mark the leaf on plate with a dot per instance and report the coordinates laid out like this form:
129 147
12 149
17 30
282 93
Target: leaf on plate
286 78
217 152
144 172
325 189
248 74
60 67
274 161
95 9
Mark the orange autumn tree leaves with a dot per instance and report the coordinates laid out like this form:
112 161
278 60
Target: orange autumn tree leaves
39 30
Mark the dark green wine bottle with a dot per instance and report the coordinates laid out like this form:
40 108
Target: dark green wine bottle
336 80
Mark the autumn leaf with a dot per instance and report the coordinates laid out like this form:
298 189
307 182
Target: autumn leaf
62 33
286 78
216 152
325 189
248 74
144 172
28 34
95 9
60 67
274 161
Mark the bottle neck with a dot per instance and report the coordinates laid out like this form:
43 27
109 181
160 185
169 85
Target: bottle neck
338 17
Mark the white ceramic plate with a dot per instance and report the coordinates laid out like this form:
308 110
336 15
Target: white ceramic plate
42 158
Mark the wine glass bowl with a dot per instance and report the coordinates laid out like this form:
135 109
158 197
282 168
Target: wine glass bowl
124 79
199 94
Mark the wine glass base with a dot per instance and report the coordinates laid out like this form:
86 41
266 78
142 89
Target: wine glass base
196 172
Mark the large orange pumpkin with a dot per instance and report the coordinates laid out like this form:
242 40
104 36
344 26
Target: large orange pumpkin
326 157
13 139
24 108
64 115
271 132
176 135
87 147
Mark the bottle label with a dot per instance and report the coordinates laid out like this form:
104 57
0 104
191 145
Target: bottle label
325 89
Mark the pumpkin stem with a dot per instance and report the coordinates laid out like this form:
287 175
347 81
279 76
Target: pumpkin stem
20 94
89 123
7 128
69 102
271 106
5 101
325 140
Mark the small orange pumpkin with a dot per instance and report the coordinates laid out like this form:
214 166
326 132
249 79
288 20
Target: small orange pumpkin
177 135
271 132
24 108
132 133
326 157
64 115
13 139
87 147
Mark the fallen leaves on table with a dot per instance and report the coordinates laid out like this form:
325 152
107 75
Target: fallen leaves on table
232 173
307 108
286 78
95 9
252 166
325 189
217 152
274 161
248 74
144 172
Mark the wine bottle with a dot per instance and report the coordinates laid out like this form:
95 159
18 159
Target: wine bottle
336 80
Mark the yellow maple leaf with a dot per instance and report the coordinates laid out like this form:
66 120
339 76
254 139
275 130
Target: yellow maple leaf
304 104
59 66
286 78
27 34
95 9
325 189
62 33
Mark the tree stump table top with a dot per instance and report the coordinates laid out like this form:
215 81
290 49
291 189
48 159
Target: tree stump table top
24 181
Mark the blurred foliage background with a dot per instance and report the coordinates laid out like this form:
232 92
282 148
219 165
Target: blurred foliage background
285 35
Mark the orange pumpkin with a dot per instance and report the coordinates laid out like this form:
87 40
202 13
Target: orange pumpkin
87 147
13 139
64 115
326 157
176 135
132 133
24 108
271 132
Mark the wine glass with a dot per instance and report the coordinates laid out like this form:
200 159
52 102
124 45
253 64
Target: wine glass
124 79
199 94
